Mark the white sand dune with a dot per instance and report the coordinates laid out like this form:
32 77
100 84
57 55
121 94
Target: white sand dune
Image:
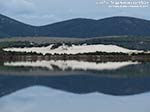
74 49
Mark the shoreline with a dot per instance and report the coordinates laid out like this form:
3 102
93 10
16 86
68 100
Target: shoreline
93 57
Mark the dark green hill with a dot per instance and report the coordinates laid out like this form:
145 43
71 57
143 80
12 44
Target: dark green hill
113 26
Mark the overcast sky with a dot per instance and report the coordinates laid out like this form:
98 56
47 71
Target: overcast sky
41 12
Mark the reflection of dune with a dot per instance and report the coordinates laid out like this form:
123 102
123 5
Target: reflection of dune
72 64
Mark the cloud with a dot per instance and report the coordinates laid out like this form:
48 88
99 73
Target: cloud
16 6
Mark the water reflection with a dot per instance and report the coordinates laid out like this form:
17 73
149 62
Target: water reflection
39 98
71 85
113 78
72 64
75 67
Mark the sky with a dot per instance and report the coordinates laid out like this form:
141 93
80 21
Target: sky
42 12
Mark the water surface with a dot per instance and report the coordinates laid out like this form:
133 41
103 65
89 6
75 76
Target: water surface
71 85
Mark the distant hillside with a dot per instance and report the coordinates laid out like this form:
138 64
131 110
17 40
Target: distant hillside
12 28
113 26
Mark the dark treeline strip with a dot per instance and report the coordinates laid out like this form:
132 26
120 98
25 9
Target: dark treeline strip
95 56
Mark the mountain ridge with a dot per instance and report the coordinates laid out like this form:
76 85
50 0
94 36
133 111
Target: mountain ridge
78 27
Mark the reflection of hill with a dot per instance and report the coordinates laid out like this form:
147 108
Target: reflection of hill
115 78
78 84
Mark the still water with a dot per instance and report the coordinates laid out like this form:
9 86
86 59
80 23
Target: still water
74 86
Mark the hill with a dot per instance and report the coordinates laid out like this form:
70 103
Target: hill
80 27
